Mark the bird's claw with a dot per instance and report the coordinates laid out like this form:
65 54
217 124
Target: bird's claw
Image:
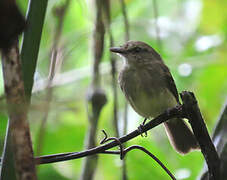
141 127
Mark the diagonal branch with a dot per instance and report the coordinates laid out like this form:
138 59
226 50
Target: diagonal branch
174 112
189 110
152 156
200 131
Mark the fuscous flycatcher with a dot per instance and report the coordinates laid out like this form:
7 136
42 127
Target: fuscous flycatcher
150 89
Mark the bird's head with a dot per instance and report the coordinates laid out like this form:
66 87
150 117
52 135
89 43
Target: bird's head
136 52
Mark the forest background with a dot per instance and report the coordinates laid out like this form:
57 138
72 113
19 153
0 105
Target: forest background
191 37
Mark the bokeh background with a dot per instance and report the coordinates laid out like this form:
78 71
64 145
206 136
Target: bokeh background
191 37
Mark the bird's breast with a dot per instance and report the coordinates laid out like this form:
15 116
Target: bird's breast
147 95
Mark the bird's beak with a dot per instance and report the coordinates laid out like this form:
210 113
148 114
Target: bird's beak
117 50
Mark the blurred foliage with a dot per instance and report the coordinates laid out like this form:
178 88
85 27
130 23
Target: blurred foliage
194 36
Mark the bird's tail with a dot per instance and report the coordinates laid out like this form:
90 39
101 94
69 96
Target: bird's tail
180 136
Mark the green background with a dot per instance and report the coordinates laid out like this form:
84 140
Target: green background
193 32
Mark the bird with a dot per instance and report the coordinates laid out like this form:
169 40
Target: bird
150 89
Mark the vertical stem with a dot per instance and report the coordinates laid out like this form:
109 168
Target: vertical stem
155 9
60 13
31 40
127 37
8 167
17 109
126 23
106 9
96 97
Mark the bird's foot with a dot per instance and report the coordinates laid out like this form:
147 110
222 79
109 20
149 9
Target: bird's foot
141 128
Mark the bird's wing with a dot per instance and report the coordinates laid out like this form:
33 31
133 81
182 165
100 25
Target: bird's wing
170 82
160 71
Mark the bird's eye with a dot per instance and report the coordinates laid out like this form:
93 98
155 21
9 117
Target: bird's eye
137 49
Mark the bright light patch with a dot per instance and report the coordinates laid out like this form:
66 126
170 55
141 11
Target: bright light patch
182 173
204 43
192 9
185 69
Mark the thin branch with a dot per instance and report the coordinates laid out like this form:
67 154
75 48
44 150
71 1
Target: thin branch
123 152
152 156
98 42
174 112
125 115
189 110
106 139
113 66
127 37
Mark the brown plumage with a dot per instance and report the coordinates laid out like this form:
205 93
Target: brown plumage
150 89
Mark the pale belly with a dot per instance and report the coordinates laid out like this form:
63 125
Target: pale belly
153 104
148 98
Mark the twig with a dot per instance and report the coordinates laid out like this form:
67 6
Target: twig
152 156
123 152
202 135
174 112
106 139
189 110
